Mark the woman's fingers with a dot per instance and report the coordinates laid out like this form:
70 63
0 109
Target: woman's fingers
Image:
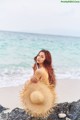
33 79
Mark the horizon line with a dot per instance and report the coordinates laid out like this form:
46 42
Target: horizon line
39 33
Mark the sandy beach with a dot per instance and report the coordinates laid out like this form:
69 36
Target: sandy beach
67 91
10 97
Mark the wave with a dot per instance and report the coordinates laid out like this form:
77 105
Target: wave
16 77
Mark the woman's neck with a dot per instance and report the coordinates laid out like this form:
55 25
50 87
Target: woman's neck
41 65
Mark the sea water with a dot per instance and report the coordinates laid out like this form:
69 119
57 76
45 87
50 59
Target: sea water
17 52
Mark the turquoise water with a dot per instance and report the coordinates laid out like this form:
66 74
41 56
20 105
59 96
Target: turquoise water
17 51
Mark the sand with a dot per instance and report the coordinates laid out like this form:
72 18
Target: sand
10 97
67 91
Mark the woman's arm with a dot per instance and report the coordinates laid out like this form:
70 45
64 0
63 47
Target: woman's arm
36 77
34 67
33 79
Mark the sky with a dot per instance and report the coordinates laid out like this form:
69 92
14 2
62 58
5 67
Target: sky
40 16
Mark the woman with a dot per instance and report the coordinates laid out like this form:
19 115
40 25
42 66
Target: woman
38 95
43 63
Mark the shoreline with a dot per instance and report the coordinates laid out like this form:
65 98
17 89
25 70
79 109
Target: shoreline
66 90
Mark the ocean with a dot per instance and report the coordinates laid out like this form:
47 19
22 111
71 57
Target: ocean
17 51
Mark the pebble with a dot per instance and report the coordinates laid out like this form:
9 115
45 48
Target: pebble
62 115
68 118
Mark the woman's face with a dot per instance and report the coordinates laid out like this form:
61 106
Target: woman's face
40 58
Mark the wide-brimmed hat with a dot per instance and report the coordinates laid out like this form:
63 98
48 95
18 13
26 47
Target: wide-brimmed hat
38 99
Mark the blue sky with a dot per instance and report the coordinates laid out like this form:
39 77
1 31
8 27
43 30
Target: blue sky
40 16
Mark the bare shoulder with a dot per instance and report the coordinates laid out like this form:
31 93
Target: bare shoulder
38 72
42 71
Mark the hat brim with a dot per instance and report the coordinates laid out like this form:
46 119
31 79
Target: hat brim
38 109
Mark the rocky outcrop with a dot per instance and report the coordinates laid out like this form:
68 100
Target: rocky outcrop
2 108
62 111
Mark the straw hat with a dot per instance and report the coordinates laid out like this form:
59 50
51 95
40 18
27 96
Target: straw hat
38 99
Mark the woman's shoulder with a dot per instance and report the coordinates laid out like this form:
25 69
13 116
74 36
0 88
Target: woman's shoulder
38 71
42 72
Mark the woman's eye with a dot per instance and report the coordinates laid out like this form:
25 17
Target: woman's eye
40 56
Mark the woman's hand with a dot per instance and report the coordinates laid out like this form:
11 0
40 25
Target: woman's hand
34 67
34 80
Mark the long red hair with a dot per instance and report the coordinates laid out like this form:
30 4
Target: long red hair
48 65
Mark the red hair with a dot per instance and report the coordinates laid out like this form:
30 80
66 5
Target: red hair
48 65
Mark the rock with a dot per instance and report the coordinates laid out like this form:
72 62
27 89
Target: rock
4 116
2 108
74 110
62 111
68 118
62 115
18 114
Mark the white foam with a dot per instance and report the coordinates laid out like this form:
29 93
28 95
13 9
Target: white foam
70 74
15 77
